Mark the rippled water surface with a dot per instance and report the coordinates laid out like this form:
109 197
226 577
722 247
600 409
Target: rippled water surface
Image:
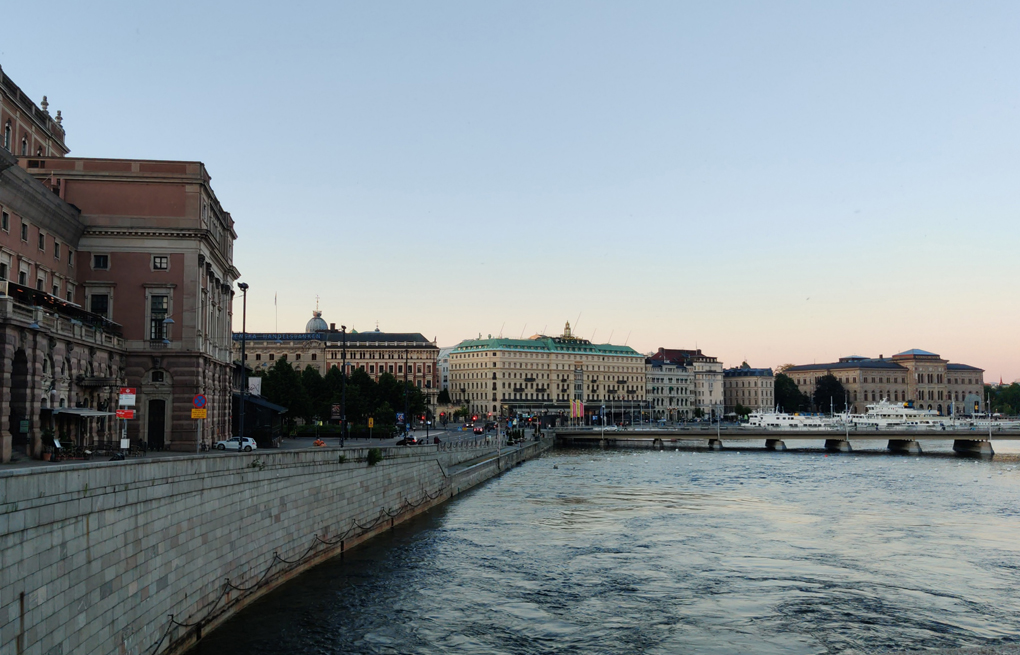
585 551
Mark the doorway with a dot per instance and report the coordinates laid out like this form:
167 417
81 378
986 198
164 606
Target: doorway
157 424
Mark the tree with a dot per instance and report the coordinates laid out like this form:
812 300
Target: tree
829 392
740 410
788 397
444 397
282 385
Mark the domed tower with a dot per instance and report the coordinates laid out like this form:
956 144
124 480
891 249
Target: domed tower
566 331
316 323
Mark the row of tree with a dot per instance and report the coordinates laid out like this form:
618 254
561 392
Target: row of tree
310 396
1004 399
829 394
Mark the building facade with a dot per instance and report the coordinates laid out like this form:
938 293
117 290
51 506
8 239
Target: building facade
669 390
126 266
706 378
542 375
753 388
918 377
323 347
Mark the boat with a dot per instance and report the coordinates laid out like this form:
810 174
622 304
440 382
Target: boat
887 415
776 420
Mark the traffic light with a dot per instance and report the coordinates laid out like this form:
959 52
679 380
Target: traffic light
442 414
474 417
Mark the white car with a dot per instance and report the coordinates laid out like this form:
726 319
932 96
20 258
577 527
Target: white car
232 444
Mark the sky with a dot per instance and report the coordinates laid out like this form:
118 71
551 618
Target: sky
781 182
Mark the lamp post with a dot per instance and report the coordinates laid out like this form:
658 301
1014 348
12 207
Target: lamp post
244 367
406 417
343 385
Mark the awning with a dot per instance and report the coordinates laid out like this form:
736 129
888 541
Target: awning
82 411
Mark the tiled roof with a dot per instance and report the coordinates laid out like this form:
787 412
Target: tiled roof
747 372
962 367
867 363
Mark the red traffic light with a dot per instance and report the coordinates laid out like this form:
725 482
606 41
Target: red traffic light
442 414
474 418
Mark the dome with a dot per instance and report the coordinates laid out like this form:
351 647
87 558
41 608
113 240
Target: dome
316 324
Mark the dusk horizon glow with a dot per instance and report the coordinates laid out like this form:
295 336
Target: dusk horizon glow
782 183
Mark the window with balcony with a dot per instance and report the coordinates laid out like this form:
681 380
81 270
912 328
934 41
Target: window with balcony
159 306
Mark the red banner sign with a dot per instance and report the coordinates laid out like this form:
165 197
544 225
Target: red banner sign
125 413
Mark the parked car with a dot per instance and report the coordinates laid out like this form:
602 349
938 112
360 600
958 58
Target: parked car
231 444
409 440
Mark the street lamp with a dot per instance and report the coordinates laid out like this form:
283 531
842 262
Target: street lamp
343 385
244 367
406 417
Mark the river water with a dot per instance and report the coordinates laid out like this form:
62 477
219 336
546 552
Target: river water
623 551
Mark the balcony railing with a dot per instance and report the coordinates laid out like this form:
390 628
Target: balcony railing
34 298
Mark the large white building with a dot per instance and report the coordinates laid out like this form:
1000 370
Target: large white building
543 374
706 378
668 389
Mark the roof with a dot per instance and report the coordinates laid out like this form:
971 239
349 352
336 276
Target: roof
337 337
746 372
546 344
261 402
681 355
866 363
963 367
915 351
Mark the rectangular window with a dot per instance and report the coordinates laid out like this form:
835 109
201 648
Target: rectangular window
3 271
258 357
39 284
313 356
70 294
99 303
5 221
157 376
24 231
272 356
56 250
297 357
158 308
160 263
23 278
42 241
56 291
101 262
70 258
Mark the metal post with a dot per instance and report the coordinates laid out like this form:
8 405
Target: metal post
407 418
244 366
343 385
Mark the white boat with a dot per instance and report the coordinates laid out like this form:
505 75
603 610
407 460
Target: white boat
887 415
774 420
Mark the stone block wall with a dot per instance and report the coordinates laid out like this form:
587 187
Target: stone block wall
94 558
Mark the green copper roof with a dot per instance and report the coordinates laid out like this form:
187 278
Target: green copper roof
546 344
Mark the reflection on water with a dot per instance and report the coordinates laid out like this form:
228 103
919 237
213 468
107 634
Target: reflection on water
674 552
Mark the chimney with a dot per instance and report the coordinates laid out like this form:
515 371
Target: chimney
880 356
332 327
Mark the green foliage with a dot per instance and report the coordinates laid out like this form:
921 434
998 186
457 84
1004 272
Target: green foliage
740 410
374 456
698 412
1004 399
829 392
444 397
308 394
788 397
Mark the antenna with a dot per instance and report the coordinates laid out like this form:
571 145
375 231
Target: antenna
577 320
593 335
628 338
501 330
611 336
522 330
545 328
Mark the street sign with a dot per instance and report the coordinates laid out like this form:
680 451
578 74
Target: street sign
335 411
125 413
199 402
400 417
127 397
199 413
371 422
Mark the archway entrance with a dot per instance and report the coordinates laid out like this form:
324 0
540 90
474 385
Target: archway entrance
157 424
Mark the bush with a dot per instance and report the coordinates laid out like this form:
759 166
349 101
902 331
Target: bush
374 456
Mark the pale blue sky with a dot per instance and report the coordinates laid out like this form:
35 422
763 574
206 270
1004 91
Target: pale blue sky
781 181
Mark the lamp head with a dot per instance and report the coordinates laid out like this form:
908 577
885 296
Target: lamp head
243 286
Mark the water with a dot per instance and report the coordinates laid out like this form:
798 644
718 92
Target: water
588 551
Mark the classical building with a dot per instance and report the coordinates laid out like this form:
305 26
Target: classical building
323 347
669 390
443 362
918 377
127 268
753 388
543 374
706 378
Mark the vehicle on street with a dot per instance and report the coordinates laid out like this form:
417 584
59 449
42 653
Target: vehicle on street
247 446
409 440
479 430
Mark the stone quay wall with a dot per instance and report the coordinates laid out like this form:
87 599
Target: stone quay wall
95 558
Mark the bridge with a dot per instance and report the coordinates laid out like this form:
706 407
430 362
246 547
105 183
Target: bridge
965 441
